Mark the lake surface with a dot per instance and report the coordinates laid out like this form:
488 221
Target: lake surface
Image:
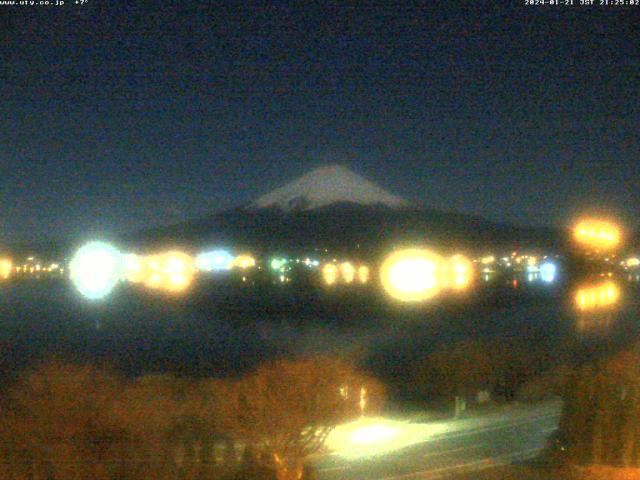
224 331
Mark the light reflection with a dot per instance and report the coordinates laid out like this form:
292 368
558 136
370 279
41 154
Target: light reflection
596 297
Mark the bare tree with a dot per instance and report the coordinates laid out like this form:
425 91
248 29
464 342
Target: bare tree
58 423
285 409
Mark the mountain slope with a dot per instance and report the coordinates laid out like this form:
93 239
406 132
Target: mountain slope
325 186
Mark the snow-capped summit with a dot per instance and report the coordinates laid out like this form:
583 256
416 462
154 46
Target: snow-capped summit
326 185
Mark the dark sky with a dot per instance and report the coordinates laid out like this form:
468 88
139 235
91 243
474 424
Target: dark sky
117 116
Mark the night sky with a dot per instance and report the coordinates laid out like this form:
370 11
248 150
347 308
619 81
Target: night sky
117 116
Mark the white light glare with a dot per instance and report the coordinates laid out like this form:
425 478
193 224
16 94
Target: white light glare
95 269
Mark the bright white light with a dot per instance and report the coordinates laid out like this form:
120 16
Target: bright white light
95 269
375 436
548 272
412 275
214 261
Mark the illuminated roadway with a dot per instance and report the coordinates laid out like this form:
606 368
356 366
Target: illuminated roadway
466 446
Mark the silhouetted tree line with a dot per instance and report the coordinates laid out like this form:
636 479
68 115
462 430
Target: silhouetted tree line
64 421
503 368
601 416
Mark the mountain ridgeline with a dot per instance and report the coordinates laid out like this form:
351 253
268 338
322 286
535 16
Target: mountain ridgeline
348 226
332 207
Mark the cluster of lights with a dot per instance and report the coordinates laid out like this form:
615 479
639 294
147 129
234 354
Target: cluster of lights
598 296
345 272
597 234
244 262
172 271
97 267
488 260
416 275
32 267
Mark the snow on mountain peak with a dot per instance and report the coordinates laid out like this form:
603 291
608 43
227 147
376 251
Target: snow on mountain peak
327 185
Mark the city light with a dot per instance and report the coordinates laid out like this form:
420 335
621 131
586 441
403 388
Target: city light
172 271
95 269
6 267
214 261
632 262
244 262
363 274
488 260
597 234
330 273
412 275
598 296
348 272
459 272
134 268
277 263
548 272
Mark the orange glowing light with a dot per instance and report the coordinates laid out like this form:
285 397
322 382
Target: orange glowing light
244 262
348 272
488 260
6 266
363 274
459 272
172 271
598 296
597 234
330 273
412 275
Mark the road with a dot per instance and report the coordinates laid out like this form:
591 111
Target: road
458 447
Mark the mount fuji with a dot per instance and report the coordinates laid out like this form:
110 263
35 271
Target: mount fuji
333 207
325 186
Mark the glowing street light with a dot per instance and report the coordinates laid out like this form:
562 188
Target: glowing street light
6 267
348 272
363 274
330 273
95 269
412 275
